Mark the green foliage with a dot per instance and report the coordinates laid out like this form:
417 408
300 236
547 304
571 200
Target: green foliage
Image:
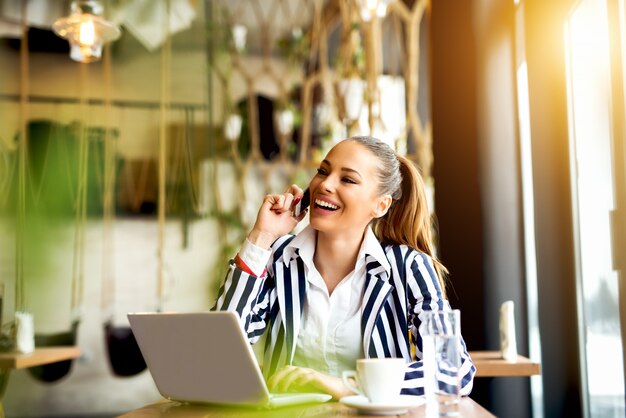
352 65
295 47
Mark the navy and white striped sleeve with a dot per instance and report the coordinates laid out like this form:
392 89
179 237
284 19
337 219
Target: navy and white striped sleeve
249 296
424 294
252 297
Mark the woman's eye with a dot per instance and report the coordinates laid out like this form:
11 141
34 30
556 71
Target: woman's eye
349 180
321 171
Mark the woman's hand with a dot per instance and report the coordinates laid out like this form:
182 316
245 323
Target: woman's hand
275 218
300 379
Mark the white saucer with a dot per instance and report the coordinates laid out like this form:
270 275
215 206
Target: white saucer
399 407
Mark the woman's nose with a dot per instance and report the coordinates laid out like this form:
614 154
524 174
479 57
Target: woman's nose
328 184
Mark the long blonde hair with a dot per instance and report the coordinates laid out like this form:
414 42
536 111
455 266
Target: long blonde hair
408 220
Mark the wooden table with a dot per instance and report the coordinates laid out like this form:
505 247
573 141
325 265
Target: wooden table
491 364
40 356
170 409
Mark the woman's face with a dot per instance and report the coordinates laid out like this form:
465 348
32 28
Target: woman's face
344 192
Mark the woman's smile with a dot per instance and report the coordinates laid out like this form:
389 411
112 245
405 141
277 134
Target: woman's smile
324 205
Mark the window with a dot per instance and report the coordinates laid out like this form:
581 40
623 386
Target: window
590 134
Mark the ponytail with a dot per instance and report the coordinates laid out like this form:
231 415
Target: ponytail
408 220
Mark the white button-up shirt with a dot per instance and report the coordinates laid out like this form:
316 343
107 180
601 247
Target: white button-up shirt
330 338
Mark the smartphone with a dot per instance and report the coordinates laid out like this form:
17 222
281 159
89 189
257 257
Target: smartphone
303 203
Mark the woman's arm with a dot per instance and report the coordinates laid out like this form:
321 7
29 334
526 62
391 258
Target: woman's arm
424 293
248 295
248 288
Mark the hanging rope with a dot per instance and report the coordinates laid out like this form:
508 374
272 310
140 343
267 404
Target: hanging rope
53 372
123 352
68 163
190 125
166 51
135 186
22 153
7 173
36 190
78 265
182 184
108 207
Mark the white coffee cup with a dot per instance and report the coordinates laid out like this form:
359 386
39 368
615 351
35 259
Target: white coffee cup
379 380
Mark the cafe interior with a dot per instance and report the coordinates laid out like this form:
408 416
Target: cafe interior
139 137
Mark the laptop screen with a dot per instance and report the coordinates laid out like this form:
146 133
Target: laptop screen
200 357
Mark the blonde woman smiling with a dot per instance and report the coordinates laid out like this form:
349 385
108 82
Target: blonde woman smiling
352 284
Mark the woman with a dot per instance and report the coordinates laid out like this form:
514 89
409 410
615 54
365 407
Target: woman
352 284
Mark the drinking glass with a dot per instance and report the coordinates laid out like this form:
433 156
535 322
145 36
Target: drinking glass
441 348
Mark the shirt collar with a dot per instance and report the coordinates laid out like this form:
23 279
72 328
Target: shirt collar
371 246
303 245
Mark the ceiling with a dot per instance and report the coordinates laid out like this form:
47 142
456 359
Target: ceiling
266 20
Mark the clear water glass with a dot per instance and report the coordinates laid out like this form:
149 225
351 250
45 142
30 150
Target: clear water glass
441 348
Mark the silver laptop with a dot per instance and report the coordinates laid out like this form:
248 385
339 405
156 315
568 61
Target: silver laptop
206 358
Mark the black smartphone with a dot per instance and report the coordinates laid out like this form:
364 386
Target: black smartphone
303 203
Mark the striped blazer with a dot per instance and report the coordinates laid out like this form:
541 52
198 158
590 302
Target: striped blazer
391 304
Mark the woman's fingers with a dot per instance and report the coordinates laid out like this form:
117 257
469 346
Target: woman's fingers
288 201
277 377
281 202
283 385
289 373
275 217
296 379
295 190
305 378
290 377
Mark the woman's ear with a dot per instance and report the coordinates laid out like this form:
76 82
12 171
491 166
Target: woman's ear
382 206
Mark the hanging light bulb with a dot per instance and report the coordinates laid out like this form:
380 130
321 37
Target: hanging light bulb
86 30
87 33
369 8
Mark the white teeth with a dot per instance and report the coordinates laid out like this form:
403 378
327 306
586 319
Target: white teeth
325 204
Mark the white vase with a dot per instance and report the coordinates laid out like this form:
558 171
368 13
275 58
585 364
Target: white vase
352 90
232 127
25 332
284 121
240 32
508 340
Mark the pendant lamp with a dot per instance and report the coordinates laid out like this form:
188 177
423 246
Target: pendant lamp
86 30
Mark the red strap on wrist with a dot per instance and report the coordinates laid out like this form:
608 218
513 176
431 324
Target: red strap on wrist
243 266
